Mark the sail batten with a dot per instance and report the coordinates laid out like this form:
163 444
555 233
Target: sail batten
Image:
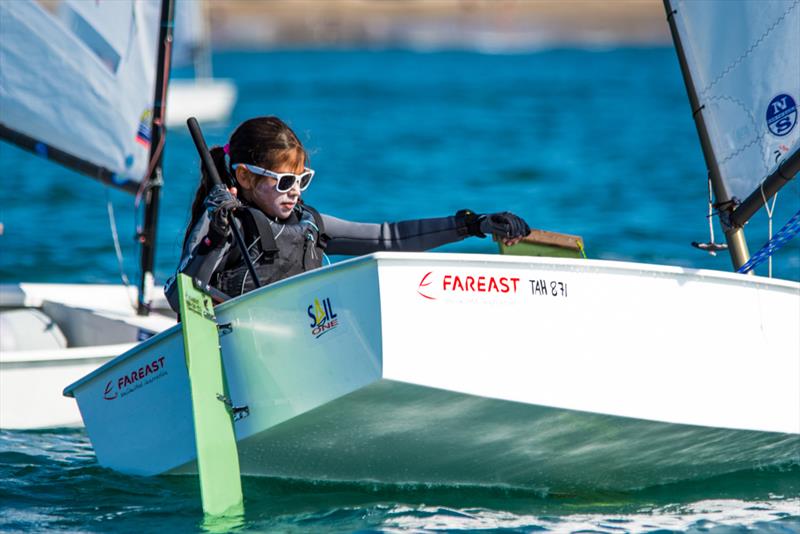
80 78
744 61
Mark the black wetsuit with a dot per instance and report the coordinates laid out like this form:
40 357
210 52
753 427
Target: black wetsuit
298 246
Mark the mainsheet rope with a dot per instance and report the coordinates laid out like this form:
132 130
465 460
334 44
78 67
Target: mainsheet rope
789 230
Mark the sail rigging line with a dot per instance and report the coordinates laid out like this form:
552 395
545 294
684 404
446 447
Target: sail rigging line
582 250
711 247
784 235
711 243
112 221
145 184
770 210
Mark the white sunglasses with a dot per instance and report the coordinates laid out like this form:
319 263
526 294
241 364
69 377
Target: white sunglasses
285 180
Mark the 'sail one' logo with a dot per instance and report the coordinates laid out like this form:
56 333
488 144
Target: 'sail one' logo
460 283
323 319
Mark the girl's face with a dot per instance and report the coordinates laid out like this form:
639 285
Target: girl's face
261 190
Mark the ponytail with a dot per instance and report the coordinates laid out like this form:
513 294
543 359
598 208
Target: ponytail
218 155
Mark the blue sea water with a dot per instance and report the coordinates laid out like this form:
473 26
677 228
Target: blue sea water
598 143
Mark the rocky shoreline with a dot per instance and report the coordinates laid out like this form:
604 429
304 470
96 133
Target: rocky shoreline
491 25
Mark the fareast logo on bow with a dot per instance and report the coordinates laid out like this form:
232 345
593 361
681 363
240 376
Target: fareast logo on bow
323 319
135 379
431 285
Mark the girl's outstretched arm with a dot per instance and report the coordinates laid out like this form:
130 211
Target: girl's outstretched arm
352 238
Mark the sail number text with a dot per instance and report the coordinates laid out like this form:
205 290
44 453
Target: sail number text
543 287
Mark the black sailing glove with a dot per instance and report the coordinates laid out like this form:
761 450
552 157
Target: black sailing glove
220 203
503 225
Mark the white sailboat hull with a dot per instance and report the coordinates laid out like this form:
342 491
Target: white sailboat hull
209 100
95 324
467 369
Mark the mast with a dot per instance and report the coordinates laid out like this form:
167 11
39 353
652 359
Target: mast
152 189
737 245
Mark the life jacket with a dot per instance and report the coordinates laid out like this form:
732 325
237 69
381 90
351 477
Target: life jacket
278 249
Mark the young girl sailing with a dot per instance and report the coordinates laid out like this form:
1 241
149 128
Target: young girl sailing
267 166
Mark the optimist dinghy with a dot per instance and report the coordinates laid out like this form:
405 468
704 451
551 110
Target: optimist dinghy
556 374
81 85
409 368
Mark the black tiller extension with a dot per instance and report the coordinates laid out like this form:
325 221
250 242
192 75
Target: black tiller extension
211 171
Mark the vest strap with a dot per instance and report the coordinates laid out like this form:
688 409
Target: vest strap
261 224
322 241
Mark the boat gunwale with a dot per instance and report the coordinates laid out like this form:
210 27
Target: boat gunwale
346 264
594 265
473 260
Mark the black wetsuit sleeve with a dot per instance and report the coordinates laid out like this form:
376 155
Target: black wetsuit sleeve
199 259
352 238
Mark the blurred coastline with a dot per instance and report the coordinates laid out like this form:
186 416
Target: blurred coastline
483 25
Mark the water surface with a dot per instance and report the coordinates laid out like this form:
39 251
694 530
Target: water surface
598 143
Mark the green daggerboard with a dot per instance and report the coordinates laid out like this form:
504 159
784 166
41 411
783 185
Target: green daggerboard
217 457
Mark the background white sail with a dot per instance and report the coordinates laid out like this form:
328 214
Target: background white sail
744 59
79 76
191 45
204 97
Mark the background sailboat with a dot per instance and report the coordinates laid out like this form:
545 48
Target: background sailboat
81 85
208 99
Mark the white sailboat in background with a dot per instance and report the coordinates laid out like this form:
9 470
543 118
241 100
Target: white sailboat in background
81 84
410 368
209 99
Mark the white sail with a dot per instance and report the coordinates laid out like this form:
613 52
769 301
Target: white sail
208 99
744 60
79 76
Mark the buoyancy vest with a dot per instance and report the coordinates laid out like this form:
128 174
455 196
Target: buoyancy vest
278 249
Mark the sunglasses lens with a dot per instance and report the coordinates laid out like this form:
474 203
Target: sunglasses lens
305 179
286 182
